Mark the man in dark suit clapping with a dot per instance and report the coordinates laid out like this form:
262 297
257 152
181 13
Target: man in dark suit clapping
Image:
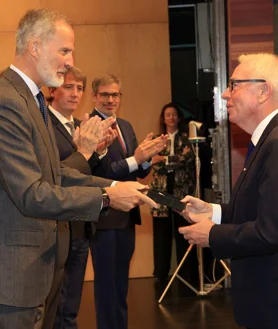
113 244
83 156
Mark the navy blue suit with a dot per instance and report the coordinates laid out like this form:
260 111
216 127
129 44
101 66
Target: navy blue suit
113 245
68 295
249 235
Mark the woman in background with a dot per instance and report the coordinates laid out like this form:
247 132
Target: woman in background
174 173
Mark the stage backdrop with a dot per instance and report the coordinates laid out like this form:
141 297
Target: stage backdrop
250 30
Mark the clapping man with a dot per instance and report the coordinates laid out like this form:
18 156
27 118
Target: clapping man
113 245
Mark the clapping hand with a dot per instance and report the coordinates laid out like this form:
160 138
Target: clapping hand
149 147
86 137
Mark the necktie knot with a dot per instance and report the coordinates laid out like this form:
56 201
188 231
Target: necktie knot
43 108
70 124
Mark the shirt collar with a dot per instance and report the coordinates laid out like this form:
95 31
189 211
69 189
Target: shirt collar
60 116
173 134
104 115
30 83
261 127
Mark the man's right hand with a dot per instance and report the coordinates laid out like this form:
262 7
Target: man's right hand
197 207
127 195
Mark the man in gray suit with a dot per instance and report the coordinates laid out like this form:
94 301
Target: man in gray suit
35 192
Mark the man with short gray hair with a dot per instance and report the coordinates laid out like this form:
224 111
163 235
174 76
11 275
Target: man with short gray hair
36 193
246 229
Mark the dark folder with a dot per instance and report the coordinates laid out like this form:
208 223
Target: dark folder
167 199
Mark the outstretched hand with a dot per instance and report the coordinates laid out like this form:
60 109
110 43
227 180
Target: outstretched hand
196 206
127 195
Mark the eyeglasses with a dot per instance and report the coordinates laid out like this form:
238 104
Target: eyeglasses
233 81
106 96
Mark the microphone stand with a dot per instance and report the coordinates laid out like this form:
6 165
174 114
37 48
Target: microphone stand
201 291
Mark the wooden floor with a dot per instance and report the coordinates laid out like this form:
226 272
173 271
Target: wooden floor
180 309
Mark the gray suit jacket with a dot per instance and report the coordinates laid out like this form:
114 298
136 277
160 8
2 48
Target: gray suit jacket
34 193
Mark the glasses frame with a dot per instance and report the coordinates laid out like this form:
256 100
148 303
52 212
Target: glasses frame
233 81
110 94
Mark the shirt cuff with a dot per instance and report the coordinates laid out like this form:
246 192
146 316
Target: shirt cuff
132 164
216 213
103 154
145 165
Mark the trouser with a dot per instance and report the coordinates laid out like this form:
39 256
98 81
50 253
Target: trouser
112 251
12 317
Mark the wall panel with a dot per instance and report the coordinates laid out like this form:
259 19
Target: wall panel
7 41
139 55
12 11
250 30
111 12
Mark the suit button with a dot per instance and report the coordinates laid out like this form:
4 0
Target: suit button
55 228
67 225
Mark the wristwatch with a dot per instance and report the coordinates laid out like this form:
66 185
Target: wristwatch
105 199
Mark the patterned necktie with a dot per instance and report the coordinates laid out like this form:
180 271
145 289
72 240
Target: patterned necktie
115 127
250 149
70 124
43 108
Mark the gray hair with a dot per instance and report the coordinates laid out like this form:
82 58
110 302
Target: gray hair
263 66
37 23
104 80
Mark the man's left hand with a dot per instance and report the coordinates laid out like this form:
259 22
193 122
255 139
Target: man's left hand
198 232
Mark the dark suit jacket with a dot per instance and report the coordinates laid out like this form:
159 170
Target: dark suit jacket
115 167
253 242
71 158
35 192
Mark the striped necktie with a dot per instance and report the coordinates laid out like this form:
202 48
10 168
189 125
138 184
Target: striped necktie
70 124
43 108
119 137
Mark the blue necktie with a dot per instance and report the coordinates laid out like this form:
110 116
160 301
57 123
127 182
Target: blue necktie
43 108
250 149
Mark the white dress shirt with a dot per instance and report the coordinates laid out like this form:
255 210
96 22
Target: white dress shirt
216 208
131 162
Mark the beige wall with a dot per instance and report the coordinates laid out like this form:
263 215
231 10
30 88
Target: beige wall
124 37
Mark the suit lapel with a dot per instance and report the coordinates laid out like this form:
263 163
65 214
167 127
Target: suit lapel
47 135
272 124
59 126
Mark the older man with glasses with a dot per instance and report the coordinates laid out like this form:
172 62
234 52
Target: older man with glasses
246 229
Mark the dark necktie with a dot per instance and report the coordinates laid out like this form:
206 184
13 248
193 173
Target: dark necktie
43 107
250 149
70 124
115 127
